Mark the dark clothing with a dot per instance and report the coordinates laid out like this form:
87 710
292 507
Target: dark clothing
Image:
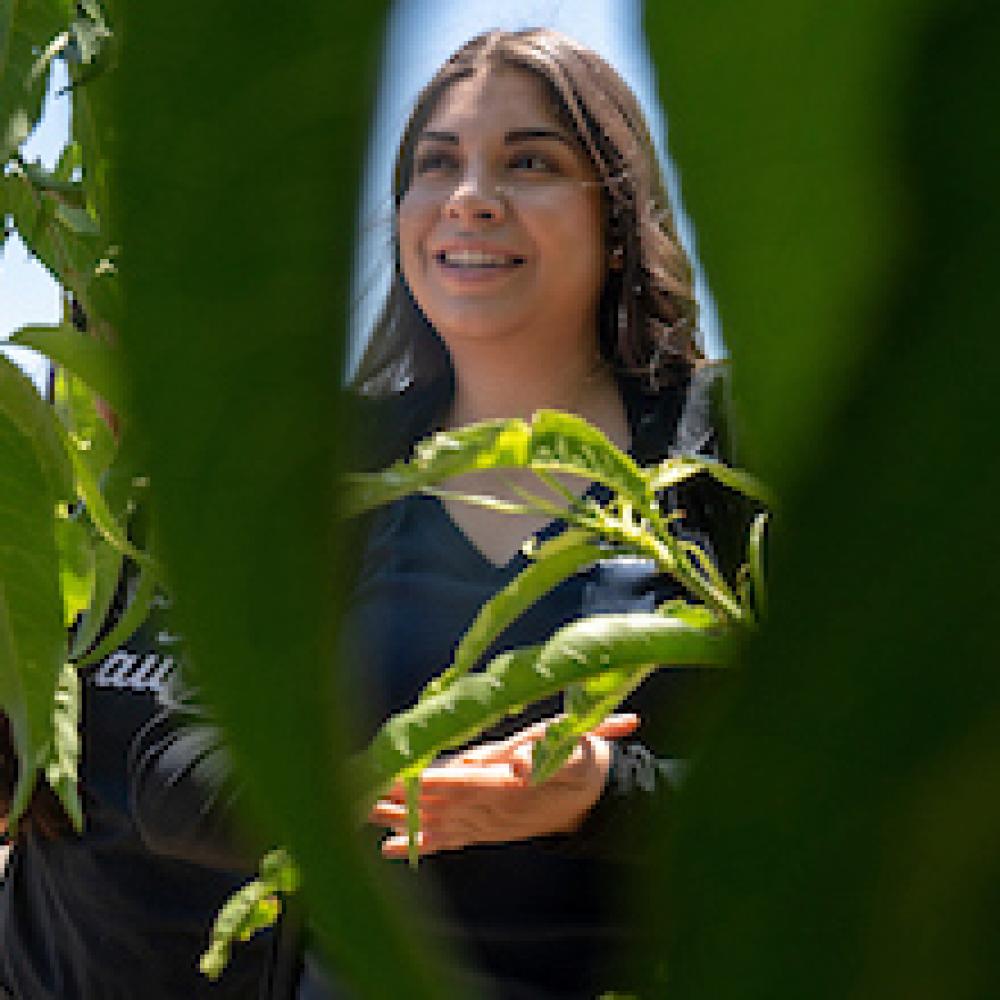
538 916
123 911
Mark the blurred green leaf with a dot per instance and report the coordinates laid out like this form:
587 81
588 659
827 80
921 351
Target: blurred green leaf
70 252
236 406
24 24
837 837
95 363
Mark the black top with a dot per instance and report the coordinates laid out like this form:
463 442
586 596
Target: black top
123 911
539 917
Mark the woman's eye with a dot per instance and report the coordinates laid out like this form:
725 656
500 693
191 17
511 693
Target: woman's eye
532 162
433 161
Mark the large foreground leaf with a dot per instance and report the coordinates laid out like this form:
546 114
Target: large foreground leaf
839 836
238 234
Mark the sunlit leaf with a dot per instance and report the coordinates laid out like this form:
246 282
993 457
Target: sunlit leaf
134 615
253 908
673 471
94 362
76 566
107 569
24 25
410 740
32 638
62 767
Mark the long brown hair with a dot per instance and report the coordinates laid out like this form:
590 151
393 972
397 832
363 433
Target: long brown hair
647 315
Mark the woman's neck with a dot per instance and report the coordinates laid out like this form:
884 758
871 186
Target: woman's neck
517 384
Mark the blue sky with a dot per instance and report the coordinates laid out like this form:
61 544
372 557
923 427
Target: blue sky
421 35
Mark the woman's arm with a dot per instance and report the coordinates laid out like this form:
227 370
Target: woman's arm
182 795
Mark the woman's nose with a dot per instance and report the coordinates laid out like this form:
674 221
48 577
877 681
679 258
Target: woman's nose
476 199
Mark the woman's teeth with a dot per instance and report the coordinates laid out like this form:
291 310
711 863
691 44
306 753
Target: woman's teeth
476 258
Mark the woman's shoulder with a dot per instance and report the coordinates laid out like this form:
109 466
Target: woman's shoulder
686 414
384 428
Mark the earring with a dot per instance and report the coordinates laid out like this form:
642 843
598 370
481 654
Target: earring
615 261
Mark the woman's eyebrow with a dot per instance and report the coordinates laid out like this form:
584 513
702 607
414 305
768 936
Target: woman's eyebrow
522 134
429 136
513 136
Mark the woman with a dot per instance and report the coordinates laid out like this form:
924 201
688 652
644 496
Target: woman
537 266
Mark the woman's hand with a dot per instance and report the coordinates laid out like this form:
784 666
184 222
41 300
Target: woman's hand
485 795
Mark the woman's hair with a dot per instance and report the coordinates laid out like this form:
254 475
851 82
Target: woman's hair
44 813
647 314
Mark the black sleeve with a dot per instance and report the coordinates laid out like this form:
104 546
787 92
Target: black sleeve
676 706
183 797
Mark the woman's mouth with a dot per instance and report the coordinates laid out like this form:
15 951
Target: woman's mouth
476 264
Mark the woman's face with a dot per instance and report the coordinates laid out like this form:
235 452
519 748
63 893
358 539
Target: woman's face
501 228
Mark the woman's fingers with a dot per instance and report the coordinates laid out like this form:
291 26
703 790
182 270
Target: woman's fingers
616 727
452 778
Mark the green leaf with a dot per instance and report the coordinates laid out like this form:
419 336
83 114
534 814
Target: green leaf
673 471
24 26
70 252
107 569
410 740
755 562
552 442
553 562
95 43
135 614
77 408
411 786
564 442
96 505
35 419
90 360
486 445
32 638
253 908
62 768
593 700
76 566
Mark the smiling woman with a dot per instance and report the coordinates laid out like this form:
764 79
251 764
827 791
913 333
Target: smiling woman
536 267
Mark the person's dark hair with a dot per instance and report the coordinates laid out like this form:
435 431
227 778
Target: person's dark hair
45 812
648 316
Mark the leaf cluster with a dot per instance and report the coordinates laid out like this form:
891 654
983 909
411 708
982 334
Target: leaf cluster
68 485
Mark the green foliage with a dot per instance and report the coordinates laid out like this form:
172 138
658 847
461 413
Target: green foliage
93 362
595 663
34 482
832 838
592 647
25 27
62 536
237 278
256 906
